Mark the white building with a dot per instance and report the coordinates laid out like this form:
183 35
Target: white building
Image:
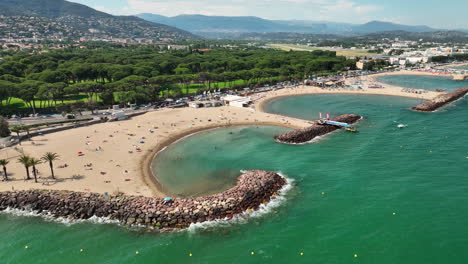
415 60
235 100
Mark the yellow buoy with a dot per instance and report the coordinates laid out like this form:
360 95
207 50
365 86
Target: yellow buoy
137 252
394 213
302 254
323 193
355 255
190 254
26 246
252 253
81 250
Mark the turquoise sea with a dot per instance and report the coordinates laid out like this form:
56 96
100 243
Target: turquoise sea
464 67
422 82
386 194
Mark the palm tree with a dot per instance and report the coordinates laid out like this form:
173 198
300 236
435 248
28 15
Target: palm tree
24 159
27 129
4 162
34 162
50 157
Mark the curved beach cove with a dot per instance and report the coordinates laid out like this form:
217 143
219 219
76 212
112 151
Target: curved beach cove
464 67
388 195
210 161
424 82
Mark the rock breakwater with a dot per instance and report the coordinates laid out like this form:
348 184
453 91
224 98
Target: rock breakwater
441 100
253 189
307 134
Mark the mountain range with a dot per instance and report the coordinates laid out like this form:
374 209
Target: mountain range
63 20
72 20
212 26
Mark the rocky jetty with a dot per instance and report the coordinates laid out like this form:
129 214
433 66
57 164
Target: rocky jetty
253 189
307 134
441 100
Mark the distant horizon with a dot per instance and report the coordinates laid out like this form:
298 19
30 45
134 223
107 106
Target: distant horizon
430 13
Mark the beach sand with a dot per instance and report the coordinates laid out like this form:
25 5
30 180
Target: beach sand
388 90
114 169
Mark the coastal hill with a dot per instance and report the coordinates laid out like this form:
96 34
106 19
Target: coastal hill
59 19
48 8
218 25
211 24
379 26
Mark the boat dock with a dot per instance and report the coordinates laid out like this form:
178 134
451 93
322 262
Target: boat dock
335 123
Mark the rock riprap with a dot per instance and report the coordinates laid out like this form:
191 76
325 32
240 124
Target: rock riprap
253 189
307 134
441 100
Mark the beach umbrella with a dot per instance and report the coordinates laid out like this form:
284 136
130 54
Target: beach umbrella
167 199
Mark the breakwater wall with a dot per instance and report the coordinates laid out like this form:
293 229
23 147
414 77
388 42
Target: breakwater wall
441 100
307 134
253 189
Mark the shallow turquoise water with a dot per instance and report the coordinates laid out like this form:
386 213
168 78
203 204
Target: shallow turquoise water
211 159
465 67
422 82
418 172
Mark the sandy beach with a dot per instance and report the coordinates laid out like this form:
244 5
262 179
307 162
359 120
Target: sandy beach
119 166
117 155
388 90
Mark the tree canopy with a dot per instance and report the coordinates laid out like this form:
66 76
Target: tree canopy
142 74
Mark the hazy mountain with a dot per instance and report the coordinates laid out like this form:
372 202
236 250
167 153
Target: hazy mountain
282 37
322 27
208 24
378 26
219 25
47 8
79 20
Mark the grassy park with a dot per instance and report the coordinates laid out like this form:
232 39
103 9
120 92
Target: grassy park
339 52
17 103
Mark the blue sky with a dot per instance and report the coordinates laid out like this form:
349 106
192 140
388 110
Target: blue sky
435 13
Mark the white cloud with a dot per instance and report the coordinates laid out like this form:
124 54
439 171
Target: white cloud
114 11
335 10
177 7
346 10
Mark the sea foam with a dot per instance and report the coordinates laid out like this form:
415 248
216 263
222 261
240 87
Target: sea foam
244 217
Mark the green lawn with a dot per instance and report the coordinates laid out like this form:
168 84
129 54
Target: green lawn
339 52
17 103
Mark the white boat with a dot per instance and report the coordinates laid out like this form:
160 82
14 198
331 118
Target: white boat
401 126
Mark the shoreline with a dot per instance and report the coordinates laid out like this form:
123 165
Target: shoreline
124 163
253 190
167 126
261 104
389 90
150 177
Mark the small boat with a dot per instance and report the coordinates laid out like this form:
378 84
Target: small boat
351 129
401 126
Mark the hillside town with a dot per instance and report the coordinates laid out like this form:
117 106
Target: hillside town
28 31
